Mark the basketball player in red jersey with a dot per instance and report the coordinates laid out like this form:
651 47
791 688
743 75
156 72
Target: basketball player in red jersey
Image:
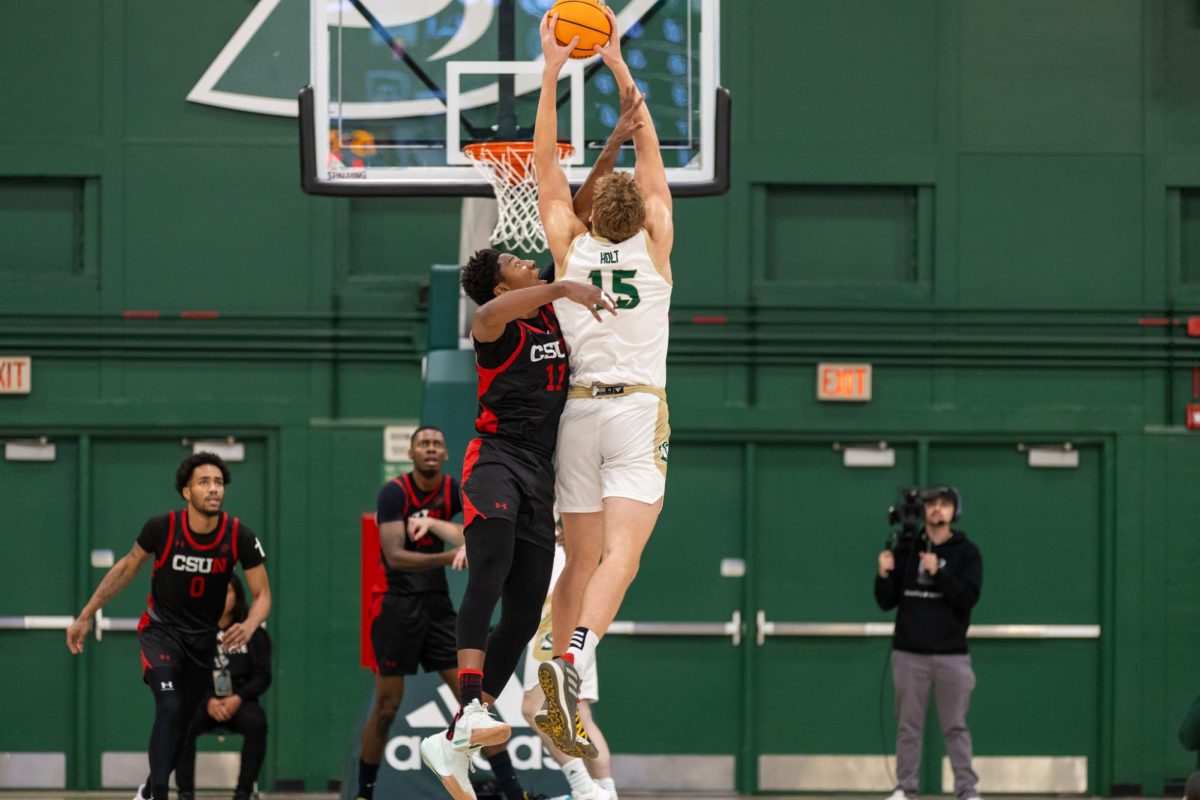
413 621
508 491
194 552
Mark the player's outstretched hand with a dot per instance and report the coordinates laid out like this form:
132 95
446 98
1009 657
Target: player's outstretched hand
77 633
630 120
610 51
556 54
236 635
460 558
589 296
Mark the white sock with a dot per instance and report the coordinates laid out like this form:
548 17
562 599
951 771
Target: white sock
578 777
583 648
608 784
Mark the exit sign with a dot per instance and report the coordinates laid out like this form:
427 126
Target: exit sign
16 374
844 383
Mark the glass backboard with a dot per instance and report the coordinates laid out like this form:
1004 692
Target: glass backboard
385 73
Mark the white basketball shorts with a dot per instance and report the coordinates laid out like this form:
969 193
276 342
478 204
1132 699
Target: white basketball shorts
611 446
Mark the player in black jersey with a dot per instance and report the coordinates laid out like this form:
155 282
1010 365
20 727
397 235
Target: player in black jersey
413 618
193 552
508 492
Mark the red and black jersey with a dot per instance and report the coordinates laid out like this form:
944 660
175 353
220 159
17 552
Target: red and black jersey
523 382
192 570
401 499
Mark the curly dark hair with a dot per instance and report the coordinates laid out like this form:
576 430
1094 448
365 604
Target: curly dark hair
481 274
183 476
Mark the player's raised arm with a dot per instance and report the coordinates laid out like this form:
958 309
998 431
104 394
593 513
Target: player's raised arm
649 171
554 192
507 288
627 124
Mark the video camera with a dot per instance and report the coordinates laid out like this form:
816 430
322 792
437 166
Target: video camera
909 513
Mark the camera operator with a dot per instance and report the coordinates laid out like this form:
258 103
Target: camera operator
934 577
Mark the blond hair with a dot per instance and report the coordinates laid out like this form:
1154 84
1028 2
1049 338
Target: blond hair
617 208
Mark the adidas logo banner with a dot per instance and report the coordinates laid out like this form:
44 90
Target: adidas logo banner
429 706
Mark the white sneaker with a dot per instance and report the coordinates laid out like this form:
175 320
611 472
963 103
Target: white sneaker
474 726
453 767
899 794
138 794
973 797
600 793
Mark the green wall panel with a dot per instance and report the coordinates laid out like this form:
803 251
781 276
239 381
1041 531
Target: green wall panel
41 227
1035 697
42 499
1040 232
1073 389
50 57
1181 63
1189 234
1029 524
696 244
216 228
841 235
626 663
1062 76
701 524
206 383
171 44
1181 565
399 237
366 390
60 387
801 490
853 74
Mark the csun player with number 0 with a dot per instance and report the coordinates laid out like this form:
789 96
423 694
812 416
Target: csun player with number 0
193 553
613 435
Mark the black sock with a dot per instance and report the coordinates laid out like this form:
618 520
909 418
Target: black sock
470 686
366 779
506 776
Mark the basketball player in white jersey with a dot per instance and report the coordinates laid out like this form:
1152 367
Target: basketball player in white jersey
613 437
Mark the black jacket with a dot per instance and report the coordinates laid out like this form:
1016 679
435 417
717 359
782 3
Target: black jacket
935 611
249 667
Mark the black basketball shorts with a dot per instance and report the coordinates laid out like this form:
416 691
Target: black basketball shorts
412 630
502 480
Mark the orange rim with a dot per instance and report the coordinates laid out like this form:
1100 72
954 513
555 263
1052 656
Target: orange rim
517 155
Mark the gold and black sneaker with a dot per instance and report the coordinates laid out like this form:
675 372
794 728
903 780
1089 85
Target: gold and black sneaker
581 746
560 683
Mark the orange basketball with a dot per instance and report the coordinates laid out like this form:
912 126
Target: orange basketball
582 18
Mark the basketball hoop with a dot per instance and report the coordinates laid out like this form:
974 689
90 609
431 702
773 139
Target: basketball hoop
508 167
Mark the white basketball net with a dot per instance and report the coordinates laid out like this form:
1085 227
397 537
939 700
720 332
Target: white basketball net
510 172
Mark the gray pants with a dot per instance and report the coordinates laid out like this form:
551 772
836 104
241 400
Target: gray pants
953 680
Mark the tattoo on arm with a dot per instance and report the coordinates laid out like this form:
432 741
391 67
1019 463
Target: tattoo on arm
117 579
